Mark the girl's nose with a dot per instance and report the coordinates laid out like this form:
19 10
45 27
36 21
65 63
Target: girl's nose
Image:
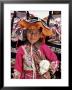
33 36
32 33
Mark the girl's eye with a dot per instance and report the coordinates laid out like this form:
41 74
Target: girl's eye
28 32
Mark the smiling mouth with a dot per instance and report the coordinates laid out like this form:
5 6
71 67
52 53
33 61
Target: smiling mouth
32 39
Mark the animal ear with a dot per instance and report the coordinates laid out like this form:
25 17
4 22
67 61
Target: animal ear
23 24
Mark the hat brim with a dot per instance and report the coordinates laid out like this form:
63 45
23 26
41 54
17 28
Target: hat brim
27 25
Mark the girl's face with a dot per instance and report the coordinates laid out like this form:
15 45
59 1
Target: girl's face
33 36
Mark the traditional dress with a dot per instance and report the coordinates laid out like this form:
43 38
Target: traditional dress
28 57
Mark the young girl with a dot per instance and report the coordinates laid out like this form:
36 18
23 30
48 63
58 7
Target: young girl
30 55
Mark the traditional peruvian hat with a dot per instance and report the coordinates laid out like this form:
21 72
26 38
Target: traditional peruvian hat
35 25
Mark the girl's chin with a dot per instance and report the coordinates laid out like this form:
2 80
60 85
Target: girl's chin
33 42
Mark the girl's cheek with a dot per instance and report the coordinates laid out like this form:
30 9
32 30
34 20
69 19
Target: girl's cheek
28 36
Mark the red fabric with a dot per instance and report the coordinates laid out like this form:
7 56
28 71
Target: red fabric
48 53
19 59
